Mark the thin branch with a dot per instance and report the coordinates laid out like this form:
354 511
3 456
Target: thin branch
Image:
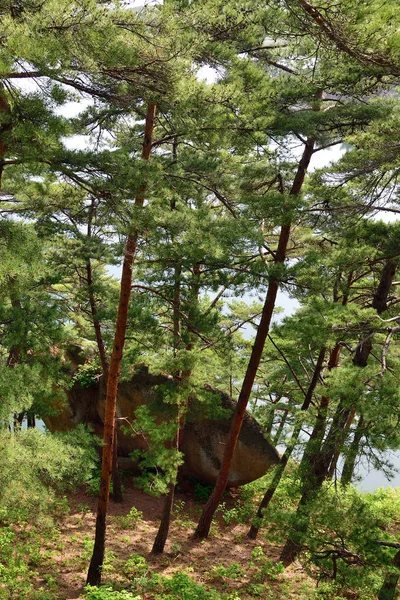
289 366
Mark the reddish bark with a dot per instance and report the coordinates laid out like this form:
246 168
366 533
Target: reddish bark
117 487
95 568
319 459
204 525
254 529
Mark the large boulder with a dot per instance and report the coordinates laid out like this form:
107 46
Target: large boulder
203 439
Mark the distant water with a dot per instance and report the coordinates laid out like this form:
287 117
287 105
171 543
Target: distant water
371 479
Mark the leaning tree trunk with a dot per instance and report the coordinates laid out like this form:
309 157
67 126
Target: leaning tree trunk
6 125
163 530
204 524
340 443
310 465
344 418
280 469
317 473
320 461
116 480
96 564
388 589
348 467
277 435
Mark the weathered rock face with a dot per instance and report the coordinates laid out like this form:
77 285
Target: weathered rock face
203 439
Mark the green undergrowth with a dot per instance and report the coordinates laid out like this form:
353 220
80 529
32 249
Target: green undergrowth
36 470
27 562
182 585
341 559
34 466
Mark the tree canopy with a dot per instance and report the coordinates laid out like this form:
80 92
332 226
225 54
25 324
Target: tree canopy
277 173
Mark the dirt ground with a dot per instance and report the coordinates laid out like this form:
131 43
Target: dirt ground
226 545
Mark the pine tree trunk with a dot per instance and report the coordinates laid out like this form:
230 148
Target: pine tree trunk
379 301
30 420
204 525
310 466
278 433
348 467
4 128
320 462
163 530
294 543
362 355
254 529
269 494
116 495
96 564
340 443
270 421
388 589
117 487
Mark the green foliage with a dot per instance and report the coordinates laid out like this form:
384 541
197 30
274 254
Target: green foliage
219 188
31 324
128 521
135 566
107 593
342 542
160 461
202 492
93 483
232 571
263 567
87 374
44 463
21 557
182 587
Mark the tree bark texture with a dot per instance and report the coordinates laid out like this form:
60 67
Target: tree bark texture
5 126
348 467
204 524
340 444
388 589
117 487
309 466
163 530
319 458
95 568
280 469
380 299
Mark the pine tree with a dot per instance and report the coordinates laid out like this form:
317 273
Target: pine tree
96 563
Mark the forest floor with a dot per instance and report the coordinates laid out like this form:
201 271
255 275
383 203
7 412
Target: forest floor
227 562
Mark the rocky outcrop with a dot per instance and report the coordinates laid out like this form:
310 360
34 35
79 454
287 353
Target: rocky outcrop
204 437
